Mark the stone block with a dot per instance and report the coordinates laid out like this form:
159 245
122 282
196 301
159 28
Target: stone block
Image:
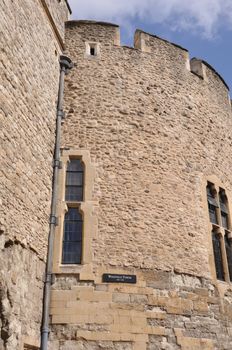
200 306
138 298
121 298
155 330
102 297
139 346
69 319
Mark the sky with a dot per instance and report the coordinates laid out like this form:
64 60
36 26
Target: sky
204 27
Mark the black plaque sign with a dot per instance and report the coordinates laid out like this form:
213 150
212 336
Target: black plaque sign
116 278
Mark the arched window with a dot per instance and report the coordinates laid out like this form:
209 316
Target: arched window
72 237
221 231
73 223
77 216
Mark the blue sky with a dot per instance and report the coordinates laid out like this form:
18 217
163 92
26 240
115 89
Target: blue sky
204 27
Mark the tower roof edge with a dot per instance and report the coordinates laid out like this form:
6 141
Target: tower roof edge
68 6
83 21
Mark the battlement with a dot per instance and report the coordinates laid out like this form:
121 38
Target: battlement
165 54
199 66
141 37
147 42
103 32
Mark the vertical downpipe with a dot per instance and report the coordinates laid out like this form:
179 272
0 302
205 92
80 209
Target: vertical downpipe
65 65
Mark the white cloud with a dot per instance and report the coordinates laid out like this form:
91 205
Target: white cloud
204 16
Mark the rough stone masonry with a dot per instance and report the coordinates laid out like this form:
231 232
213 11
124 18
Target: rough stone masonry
151 127
31 42
156 127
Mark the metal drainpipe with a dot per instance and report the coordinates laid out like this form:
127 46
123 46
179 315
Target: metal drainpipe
65 65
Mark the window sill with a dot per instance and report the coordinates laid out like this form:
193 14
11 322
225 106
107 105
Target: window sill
84 271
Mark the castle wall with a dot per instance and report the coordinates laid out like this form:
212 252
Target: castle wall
156 126
58 12
136 112
29 76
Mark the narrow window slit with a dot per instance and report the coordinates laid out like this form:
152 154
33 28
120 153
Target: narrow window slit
92 51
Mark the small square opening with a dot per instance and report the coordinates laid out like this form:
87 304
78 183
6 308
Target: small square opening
92 50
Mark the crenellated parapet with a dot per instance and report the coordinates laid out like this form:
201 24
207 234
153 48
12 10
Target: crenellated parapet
153 44
159 52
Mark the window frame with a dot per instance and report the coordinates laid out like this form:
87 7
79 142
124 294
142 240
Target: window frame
220 230
89 45
87 207
79 242
72 203
68 185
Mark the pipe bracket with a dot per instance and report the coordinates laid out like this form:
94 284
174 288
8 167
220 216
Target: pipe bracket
53 220
57 164
61 114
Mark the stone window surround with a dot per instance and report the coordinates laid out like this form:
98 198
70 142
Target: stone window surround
222 286
88 45
84 269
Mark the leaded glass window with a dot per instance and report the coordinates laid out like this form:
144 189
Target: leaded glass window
218 256
72 238
228 244
223 208
74 181
212 204
221 231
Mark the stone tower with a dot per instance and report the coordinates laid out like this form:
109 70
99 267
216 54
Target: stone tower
32 39
146 182
142 254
